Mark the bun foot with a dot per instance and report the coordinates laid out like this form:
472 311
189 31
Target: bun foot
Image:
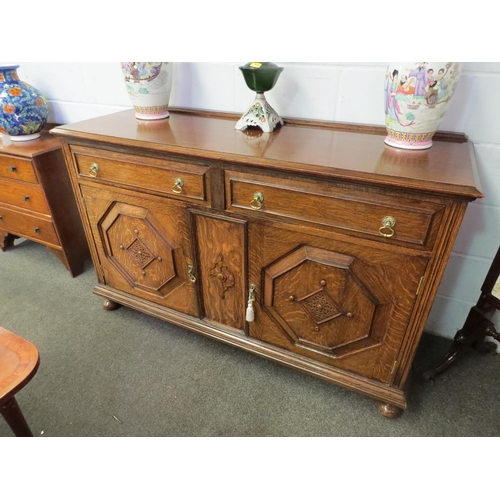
388 410
109 305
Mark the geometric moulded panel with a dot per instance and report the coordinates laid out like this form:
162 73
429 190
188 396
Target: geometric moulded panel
322 301
137 246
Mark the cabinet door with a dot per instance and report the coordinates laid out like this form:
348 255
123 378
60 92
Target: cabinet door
341 303
143 246
221 252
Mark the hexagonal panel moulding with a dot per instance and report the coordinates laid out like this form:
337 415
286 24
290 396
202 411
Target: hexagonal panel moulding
322 302
138 247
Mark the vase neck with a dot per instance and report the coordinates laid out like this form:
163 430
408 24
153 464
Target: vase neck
8 74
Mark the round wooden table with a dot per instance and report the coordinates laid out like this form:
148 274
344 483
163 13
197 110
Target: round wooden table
19 361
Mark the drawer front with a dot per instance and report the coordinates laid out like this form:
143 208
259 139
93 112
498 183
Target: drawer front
362 212
28 226
164 177
12 167
23 195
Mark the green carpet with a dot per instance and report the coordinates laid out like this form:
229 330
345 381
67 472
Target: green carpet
123 373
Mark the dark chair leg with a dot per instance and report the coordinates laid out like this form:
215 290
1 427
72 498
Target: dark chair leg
448 359
476 328
14 417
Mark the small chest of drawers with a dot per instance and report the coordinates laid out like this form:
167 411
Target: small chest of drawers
37 201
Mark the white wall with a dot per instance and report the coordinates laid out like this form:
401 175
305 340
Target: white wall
350 92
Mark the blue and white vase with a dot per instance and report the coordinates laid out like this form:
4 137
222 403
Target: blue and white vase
23 109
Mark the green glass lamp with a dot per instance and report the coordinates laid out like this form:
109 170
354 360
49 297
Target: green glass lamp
260 77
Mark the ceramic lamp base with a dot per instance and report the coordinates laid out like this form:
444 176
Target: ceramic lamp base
22 138
259 114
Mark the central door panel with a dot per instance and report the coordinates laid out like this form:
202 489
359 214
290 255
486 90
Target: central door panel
221 243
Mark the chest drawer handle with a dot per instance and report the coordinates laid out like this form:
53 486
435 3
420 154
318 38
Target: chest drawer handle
94 168
257 201
178 185
26 198
387 224
12 168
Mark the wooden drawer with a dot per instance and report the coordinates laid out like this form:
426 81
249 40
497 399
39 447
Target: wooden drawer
156 176
29 226
23 195
12 167
328 204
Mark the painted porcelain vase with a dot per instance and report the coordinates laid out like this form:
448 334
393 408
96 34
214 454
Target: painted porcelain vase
417 96
23 109
149 85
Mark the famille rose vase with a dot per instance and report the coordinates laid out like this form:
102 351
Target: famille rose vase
417 96
23 109
149 85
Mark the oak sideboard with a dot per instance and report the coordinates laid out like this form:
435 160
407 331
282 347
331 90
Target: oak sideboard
316 246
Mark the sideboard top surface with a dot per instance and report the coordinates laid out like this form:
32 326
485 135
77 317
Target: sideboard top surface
448 167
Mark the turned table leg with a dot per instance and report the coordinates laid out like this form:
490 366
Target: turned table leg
15 419
388 410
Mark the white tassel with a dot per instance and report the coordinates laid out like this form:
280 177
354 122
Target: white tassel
250 316
250 313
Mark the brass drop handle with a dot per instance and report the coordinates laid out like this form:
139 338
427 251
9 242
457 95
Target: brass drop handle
26 198
257 201
178 185
36 229
387 224
94 168
12 168
191 276
1 218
